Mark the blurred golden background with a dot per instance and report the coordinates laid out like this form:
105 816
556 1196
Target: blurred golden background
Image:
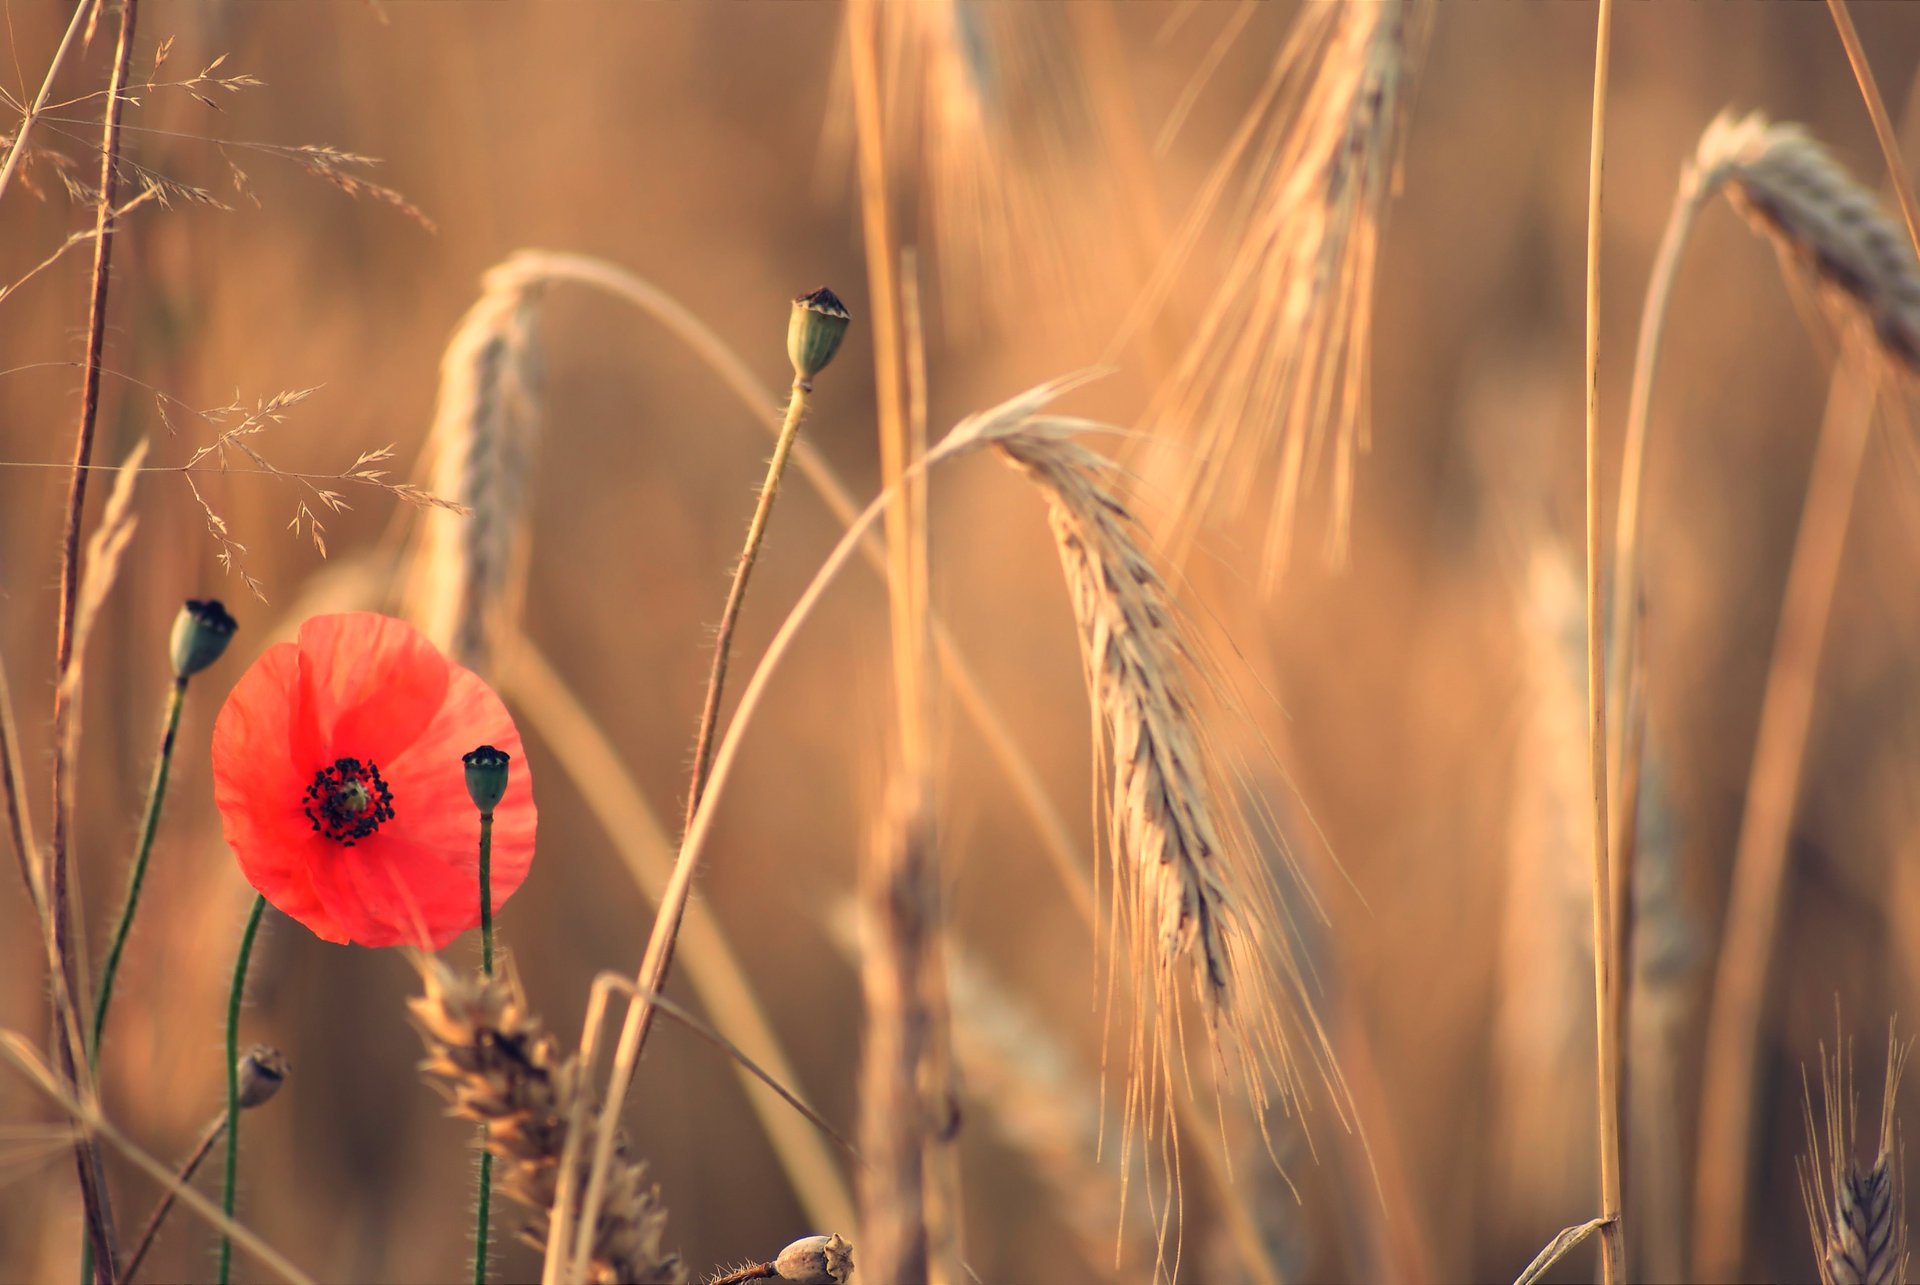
1412 695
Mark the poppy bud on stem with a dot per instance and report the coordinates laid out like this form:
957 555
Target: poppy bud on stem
201 633
815 328
486 785
263 1070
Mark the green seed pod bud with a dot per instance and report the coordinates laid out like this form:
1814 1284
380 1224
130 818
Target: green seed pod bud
262 1071
816 1260
814 332
487 777
201 633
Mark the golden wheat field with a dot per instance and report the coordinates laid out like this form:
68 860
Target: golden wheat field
949 640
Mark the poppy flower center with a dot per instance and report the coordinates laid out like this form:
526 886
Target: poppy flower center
348 801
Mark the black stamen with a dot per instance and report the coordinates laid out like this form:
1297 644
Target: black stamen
348 801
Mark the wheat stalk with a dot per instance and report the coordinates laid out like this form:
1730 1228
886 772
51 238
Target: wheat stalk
486 1051
467 574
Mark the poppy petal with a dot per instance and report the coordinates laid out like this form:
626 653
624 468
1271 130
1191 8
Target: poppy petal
370 683
258 781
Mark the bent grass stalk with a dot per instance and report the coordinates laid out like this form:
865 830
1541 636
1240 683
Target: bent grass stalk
28 1062
585 753
228 1184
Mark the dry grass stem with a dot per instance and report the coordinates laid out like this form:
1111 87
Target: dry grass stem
467 576
1772 795
990 120
718 977
1608 967
1274 378
27 1060
1857 1213
17 148
486 1051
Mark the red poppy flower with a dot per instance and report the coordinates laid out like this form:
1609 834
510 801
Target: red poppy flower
337 770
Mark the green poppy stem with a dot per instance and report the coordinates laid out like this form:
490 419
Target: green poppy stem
149 825
486 964
233 1080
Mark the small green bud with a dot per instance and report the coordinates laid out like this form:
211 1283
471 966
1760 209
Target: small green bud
814 332
201 633
487 777
816 1260
262 1071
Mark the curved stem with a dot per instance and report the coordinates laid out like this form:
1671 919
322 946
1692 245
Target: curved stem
149 825
486 966
233 1079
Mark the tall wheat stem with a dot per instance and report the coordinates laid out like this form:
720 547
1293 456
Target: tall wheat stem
909 1197
99 1213
1606 967
1760 858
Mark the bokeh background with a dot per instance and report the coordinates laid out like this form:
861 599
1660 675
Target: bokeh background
1421 700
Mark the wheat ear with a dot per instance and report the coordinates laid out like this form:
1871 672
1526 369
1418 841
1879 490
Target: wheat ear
1190 896
1857 1213
486 1051
467 575
1275 376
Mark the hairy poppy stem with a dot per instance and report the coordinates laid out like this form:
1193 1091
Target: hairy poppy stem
486 966
723 639
149 825
233 1079
737 594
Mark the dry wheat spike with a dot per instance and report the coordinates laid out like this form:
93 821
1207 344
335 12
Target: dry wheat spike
1821 218
1274 379
1857 1213
1191 894
486 1051
467 574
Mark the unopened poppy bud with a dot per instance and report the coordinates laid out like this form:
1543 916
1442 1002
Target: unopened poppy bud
814 332
262 1071
201 633
487 776
816 1260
